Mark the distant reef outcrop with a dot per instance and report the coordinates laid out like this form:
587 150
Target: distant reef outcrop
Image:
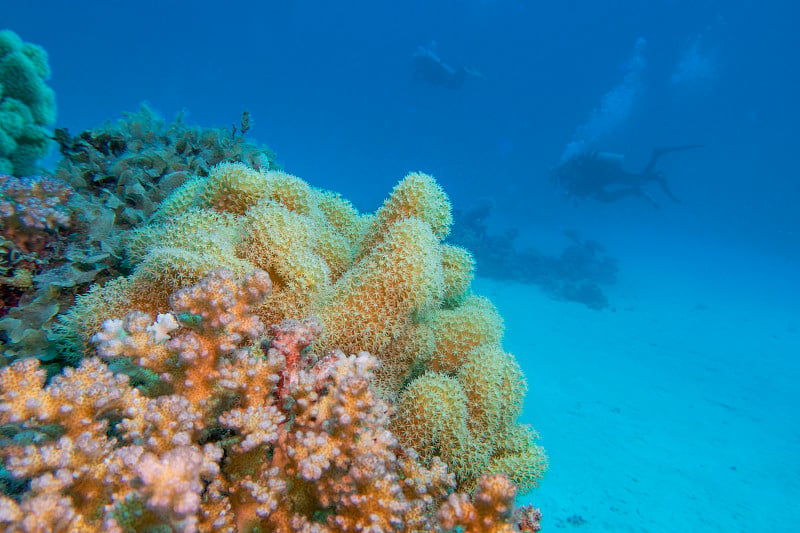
577 274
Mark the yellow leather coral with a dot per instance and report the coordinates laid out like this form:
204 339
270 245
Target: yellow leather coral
459 330
417 196
385 283
459 268
380 295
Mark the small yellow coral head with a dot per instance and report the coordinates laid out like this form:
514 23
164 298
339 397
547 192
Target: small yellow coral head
233 188
416 196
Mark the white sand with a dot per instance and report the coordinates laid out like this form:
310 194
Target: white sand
678 410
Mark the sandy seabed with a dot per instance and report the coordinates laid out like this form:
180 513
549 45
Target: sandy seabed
678 409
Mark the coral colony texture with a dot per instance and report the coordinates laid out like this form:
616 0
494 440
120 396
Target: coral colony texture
195 340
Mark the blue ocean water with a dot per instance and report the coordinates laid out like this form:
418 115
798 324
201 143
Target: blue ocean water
702 332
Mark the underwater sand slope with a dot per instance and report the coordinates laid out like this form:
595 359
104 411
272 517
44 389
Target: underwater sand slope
675 412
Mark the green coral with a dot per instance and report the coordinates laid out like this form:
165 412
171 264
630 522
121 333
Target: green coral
27 105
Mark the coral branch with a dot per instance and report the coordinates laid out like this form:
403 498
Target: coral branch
250 435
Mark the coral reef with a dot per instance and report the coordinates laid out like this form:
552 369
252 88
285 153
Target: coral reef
117 174
379 400
34 217
226 432
32 203
27 105
577 274
138 161
382 283
495 497
529 519
32 211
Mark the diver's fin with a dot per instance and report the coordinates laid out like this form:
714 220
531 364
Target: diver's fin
474 72
658 152
665 187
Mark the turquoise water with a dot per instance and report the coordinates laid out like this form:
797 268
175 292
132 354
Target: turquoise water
675 405
675 410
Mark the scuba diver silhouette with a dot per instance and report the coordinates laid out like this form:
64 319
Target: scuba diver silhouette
599 175
430 68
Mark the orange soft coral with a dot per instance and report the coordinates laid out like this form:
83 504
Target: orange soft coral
244 435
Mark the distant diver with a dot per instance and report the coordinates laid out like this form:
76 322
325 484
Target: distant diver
430 68
600 176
